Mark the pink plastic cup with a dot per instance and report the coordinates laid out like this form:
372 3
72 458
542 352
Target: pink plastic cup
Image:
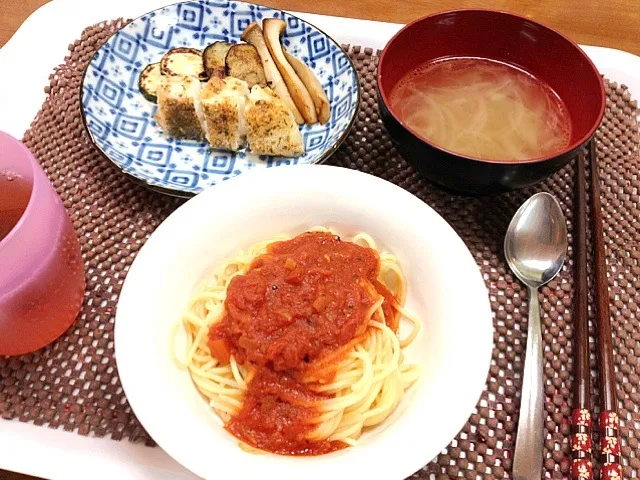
41 268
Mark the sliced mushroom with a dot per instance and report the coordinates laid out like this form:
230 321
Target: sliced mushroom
311 82
273 28
253 35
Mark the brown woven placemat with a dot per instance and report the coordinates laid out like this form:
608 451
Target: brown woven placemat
73 383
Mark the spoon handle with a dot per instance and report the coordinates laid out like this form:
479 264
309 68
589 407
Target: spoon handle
527 459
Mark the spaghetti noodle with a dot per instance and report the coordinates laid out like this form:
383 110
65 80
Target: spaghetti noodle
295 342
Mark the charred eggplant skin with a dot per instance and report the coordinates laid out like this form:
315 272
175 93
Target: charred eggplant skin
183 61
213 59
149 81
243 62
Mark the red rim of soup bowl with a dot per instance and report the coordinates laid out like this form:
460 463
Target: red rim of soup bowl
574 143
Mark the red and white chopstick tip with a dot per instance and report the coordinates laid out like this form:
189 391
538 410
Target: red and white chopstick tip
608 419
581 437
581 445
581 442
611 471
581 417
581 469
609 423
610 446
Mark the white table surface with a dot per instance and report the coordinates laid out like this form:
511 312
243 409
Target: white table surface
56 454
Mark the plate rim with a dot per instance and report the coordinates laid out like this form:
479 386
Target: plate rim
479 382
176 192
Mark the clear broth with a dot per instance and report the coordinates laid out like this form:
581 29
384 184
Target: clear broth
483 109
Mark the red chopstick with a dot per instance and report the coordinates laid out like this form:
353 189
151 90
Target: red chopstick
608 421
581 446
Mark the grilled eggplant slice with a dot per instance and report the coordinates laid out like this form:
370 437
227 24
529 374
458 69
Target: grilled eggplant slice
149 81
183 61
243 62
213 59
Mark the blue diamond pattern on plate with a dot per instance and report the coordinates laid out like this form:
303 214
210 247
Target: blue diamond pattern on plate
120 120
125 47
191 15
219 164
156 155
130 126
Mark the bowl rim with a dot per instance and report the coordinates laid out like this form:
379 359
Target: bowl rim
176 192
569 148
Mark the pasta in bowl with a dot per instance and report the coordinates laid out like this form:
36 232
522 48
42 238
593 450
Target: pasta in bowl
295 343
333 393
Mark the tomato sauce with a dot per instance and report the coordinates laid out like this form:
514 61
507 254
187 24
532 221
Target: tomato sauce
300 302
274 416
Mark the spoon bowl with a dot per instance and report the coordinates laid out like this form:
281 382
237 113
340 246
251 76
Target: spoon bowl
535 245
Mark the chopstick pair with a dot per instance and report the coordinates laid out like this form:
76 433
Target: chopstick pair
581 419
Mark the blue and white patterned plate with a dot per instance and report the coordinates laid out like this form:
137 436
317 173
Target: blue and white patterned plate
120 121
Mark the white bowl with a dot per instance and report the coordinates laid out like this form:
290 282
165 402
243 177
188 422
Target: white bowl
445 289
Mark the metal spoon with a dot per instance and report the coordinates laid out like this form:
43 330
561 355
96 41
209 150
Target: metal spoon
535 247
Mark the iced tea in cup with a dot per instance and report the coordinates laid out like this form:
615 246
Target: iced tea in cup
41 269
